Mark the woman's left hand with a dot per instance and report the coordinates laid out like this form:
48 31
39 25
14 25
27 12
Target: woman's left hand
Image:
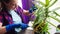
26 12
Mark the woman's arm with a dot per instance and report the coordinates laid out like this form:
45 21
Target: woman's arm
2 29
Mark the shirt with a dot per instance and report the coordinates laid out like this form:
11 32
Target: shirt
6 18
16 19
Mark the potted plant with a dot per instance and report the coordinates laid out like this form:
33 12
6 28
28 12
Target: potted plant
43 14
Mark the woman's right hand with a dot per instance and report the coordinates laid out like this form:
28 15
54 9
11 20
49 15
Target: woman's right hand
24 26
12 26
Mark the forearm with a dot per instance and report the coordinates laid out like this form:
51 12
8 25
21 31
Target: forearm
29 14
2 30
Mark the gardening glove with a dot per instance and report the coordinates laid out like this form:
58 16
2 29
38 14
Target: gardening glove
23 26
32 9
12 26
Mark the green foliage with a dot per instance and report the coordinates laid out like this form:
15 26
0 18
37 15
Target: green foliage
42 13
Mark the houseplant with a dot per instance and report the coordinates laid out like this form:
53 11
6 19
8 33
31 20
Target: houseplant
43 14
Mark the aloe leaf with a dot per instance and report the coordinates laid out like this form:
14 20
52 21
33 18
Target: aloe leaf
52 3
56 13
51 24
42 3
48 32
50 0
47 2
55 18
56 9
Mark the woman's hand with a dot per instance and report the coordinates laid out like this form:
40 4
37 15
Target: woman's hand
26 12
24 26
12 26
0 24
2 29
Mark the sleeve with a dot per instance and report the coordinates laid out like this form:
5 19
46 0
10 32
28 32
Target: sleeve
26 16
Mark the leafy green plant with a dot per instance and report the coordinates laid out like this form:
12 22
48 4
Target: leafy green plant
43 13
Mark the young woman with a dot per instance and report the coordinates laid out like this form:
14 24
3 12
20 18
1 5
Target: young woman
11 14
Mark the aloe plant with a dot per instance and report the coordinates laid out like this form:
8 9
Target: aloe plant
42 14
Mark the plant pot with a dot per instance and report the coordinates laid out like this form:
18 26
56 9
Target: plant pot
39 33
26 31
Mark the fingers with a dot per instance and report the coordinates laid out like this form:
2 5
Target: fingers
0 24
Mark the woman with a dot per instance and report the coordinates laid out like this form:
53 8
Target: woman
9 16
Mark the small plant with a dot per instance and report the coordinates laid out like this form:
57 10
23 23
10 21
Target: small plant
43 14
